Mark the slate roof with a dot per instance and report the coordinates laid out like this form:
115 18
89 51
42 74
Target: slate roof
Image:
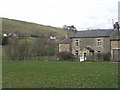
92 33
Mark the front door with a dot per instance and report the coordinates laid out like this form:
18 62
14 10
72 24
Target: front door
116 54
84 57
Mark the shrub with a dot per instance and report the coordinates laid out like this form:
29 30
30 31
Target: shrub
34 35
106 57
15 50
5 40
11 49
44 47
66 56
100 57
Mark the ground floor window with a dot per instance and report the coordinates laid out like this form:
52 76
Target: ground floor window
85 54
76 53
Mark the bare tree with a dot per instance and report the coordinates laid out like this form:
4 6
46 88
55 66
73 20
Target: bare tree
40 47
16 50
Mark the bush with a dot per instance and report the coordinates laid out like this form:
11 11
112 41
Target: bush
15 50
66 56
106 57
5 40
45 47
100 57
34 36
24 50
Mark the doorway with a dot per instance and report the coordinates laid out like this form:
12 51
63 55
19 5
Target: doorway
116 54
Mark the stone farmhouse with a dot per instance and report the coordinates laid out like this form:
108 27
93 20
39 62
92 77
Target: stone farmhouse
89 43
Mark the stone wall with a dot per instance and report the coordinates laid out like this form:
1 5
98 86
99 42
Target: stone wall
114 45
64 47
91 42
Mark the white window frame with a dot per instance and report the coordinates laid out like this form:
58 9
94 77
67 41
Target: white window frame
77 42
99 42
76 53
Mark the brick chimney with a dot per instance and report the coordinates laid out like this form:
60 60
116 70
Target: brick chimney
116 26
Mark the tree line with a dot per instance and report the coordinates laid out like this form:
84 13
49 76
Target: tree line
71 28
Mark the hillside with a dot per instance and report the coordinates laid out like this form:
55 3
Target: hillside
10 25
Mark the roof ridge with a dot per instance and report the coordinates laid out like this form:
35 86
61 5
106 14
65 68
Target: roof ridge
93 33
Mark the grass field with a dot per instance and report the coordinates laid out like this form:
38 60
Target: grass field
59 74
11 25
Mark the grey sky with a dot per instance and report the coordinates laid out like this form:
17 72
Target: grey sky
84 14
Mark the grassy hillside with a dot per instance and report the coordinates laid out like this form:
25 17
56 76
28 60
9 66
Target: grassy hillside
10 25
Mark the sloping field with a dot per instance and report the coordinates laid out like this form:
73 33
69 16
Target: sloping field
10 25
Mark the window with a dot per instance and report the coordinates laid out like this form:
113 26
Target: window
99 52
76 53
85 54
98 42
76 42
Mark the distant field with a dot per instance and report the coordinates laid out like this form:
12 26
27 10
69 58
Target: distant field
59 74
10 25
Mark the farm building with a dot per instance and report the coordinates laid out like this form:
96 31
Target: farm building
90 43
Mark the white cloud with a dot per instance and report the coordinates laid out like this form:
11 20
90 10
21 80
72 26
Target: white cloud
81 13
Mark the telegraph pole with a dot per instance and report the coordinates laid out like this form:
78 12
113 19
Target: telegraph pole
25 47
112 22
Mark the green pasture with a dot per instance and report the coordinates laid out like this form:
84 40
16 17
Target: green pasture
59 74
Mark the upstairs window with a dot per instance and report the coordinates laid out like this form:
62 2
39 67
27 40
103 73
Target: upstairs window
98 42
76 42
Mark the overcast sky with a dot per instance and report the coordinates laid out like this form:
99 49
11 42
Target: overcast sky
83 14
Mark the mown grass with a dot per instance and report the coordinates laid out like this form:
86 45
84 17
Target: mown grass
59 74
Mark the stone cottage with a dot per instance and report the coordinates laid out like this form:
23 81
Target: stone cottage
93 42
